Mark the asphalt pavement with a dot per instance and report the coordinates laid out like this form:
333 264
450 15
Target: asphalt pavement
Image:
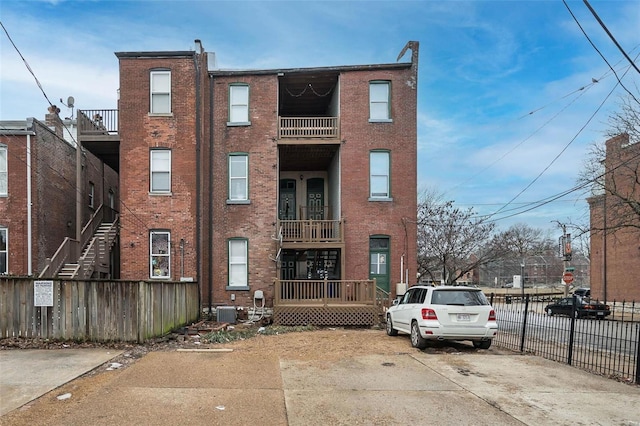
249 387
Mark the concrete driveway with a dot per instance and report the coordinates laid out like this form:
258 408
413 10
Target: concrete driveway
251 385
27 374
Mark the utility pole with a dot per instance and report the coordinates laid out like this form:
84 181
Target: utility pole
566 252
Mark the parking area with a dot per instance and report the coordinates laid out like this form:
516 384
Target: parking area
334 376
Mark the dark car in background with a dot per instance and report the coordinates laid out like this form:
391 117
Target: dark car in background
582 292
584 308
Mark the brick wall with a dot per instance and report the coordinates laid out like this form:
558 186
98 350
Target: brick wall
13 208
254 221
623 243
54 202
140 132
53 185
364 218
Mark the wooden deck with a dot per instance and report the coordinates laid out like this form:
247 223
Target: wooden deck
328 302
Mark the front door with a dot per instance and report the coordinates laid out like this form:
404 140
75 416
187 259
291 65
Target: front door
287 202
315 199
379 261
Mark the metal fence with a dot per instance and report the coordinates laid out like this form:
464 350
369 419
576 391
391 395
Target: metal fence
609 346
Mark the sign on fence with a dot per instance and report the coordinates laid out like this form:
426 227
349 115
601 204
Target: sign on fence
43 293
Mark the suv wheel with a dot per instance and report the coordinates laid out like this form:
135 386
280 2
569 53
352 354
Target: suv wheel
482 344
390 330
417 341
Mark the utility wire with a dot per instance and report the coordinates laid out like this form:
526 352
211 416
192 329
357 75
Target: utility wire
472 177
77 145
571 190
599 52
583 127
26 63
604 27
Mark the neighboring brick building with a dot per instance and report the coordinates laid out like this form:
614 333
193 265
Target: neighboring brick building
37 192
237 179
615 260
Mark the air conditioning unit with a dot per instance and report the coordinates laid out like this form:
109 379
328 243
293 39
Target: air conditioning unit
226 314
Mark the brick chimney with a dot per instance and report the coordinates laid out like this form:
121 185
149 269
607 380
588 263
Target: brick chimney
52 119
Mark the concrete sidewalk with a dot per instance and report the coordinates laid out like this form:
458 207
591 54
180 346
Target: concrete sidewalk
404 386
27 374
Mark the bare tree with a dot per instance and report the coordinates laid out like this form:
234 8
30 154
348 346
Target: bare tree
451 241
521 240
611 171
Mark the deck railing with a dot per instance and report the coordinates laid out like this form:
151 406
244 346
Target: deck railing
325 292
309 127
98 121
309 231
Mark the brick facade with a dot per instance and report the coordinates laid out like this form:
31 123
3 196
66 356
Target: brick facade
615 266
198 211
140 132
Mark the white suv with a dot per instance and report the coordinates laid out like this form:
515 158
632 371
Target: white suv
443 313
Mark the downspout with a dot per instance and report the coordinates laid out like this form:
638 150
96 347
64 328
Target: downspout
29 224
196 59
210 193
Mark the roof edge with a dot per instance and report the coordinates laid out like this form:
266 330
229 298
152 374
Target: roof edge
340 68
159 54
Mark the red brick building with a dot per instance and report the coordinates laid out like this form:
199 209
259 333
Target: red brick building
37 192
615 225
247 181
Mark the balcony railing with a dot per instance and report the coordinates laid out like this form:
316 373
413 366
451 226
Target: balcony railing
98 122
309 127
311 231
325 292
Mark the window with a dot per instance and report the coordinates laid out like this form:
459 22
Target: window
160 92
379 101
160 253
92 190
239 104
112 199
378 263
238 177
4 178
4 251
238 271
160 170
379 175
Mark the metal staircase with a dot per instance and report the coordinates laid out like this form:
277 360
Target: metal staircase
83 259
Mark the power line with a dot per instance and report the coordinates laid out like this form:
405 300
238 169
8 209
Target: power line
604 27
77 145
26 64
599 52
582 128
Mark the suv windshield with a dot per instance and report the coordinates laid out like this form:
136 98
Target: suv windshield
458 297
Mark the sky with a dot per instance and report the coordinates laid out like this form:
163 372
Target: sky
508 103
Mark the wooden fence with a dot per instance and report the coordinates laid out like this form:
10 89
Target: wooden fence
95 310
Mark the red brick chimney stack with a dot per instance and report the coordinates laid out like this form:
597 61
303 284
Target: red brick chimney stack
52 119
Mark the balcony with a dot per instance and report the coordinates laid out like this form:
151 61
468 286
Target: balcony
98 132
308 127
311 231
